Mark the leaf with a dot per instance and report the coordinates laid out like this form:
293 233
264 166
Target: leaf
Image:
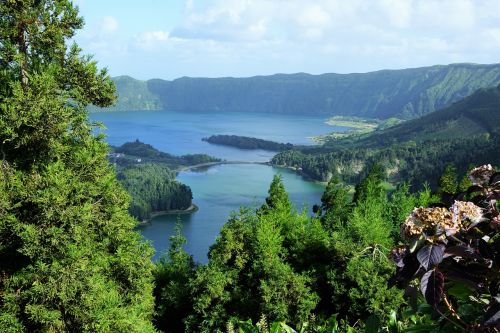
460 291
416 242
471 276
432 285
287 328
333 324
430 255
495 178
492 316
275 327
372 324
463 251
474 188
410 268
460 196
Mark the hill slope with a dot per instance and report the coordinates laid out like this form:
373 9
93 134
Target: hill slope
465 132
406 93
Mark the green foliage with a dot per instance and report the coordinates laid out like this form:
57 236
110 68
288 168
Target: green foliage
335 205
278 198
173 272
448 182
129 153
153 188
359 276
290 267
254 268
70 260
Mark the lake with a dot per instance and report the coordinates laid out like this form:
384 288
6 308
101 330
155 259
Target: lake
221 189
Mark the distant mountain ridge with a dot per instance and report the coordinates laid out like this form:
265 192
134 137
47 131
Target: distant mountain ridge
405 93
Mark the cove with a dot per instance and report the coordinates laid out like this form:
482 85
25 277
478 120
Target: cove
221 189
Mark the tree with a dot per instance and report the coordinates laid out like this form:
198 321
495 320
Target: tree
335 204
277 198
70 260
371 183
448 180
173 274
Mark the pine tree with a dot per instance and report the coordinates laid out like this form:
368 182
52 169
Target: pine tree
277 198
335 204
448 182
173 273
69 258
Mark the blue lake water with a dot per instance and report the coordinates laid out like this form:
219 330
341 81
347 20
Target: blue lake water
221 189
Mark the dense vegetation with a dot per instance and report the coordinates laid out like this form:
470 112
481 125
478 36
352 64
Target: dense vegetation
71 262
467 131
334 273
153 188
69 258
245 142
285 265
131 152
406 93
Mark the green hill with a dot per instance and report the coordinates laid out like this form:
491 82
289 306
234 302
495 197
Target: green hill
463 133
405 93
474 115
133 95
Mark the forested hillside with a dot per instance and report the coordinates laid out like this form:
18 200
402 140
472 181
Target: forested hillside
245 142
466 132
406 93
148 175
153 188
130 153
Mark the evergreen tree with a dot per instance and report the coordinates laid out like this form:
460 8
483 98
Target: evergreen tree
372 182
173 273
69 258
335 204
277 198
448 181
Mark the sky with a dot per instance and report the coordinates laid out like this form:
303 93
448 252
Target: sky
168 39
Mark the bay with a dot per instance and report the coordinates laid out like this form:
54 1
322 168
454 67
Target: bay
180 133
222 189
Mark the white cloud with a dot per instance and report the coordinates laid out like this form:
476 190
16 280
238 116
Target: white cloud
246 37
151 39
108 25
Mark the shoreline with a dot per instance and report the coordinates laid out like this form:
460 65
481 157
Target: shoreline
190 210
298 172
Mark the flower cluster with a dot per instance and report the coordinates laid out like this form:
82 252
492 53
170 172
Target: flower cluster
430 222
435 224
481 175
457 245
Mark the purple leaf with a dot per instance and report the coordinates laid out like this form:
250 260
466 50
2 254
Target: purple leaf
430 255
432 285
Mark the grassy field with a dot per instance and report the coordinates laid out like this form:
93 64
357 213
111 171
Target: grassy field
357 126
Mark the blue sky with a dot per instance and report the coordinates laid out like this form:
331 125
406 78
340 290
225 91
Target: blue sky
214 38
